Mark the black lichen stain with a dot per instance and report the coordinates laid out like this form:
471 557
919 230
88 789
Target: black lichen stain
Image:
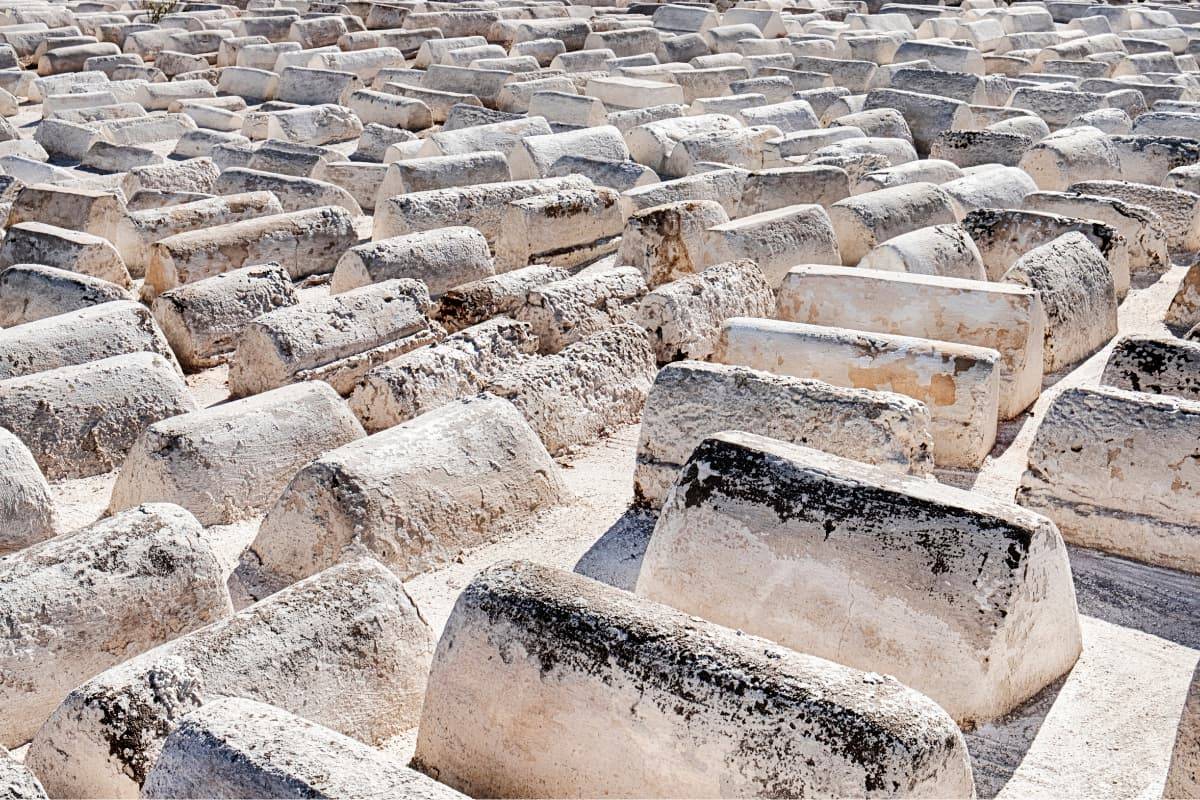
160 561
132 721
569 628
1156 366
745 475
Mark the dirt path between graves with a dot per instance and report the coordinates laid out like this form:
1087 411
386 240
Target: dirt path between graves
1105 731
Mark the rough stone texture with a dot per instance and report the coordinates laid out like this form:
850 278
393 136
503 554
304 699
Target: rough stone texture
927 116
866 220
460 365
316 125
1145 236
472 303
39 243
1056 106
234 747
1076 287
105 157
286 158
442 172
770 189
137 233
467 131
1006 318
77 337
442 259
346 649
27 512
1069 156
204 320
1118 471
533 156
1005 235
959 383
1156 365
81 420
666 242
17 782
582 393
1183 776
1183 314
294 193
556 136
746 147
336 339
146 199
566 311
964 598
1178 209
361 180
1185 177
618 175
610 695
1150 159
149 573
482 207
305 242
193 175
692 400
945 250
989 186
930 170
230 461
652 143
29 292
413 496
775 240
684 316
567 228
89 210
973 148
723 186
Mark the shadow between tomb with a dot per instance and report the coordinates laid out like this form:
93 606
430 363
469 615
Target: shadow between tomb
998 747
616 557
1154 600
